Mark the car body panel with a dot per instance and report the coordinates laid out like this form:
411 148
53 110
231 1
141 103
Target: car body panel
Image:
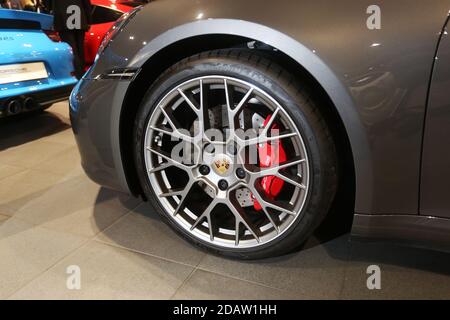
21 46
413 230
94 36
378 80
45 21
96 131
435 199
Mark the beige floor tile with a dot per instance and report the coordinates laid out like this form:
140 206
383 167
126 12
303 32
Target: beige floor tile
64 137
26 251
77 205
61 109
18 190
316 272
7 211
66 163
86 222
406 273
142 230
32 153
204 285
109 273
7 170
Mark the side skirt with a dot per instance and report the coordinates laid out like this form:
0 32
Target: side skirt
418 231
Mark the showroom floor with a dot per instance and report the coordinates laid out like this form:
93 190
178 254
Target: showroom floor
53 217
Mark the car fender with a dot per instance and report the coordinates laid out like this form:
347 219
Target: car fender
305 57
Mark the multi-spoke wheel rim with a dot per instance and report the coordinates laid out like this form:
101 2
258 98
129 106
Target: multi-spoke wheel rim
209 190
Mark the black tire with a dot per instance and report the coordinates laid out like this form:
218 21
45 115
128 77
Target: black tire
299 102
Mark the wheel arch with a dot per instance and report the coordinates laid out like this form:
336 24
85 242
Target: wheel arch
192 38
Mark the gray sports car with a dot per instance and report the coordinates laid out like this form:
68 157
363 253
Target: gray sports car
240 121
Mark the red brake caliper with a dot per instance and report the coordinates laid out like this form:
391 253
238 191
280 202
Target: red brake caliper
270 154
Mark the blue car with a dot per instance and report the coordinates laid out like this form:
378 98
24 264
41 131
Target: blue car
36 68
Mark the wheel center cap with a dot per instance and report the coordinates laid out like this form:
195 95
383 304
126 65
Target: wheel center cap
222 165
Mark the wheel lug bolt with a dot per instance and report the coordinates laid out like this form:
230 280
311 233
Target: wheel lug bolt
240 173
223 185
204 170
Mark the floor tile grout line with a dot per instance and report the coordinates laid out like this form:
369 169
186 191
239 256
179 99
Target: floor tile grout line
118 246
60 175
6 217
22 169
86 241
66 147
36 167
126 213
24 221
246 280
184 282
32 169
78 235
189 276
196 267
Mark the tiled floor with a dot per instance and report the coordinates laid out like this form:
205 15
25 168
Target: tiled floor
52 217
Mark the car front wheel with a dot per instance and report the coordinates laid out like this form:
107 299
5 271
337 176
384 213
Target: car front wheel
233 153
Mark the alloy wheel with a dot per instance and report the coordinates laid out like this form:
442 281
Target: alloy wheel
204 146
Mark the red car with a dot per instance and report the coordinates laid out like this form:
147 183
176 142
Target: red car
104 14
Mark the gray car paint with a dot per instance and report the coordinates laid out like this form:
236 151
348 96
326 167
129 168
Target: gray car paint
435 200
377 79
413 230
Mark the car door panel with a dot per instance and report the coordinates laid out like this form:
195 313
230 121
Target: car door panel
435 184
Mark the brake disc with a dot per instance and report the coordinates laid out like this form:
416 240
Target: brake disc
244 197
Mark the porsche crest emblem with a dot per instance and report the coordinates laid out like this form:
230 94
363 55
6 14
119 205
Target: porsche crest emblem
221 166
